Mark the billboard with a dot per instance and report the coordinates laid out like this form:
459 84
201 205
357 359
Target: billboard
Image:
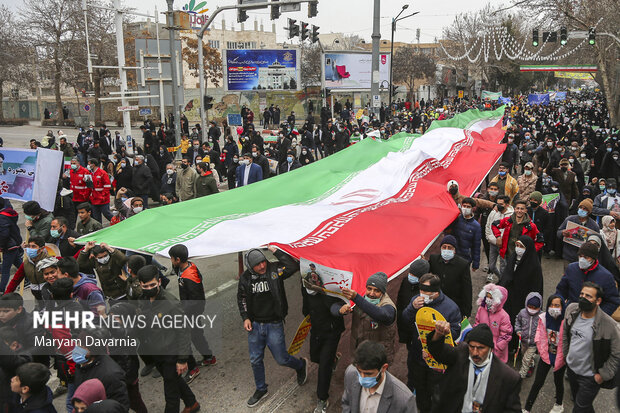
260 69
353 70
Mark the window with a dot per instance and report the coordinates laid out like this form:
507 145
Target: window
241 45
214 44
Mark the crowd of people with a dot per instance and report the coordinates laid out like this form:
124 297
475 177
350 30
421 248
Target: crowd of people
553 196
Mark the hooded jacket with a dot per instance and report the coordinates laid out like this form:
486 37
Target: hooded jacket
89 294
10 236
526 323
89 392
496 318
496 216
109 372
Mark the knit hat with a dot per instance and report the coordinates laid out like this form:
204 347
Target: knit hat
47 262
587 205
536 196
588 250
449 239
378 280
32 208
534 302
419 267
481 334
254 257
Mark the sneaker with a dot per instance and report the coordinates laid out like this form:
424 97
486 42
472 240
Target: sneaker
257 397
208 361
191 375
321 406
302 373
59 391
146 370
557 408
191 409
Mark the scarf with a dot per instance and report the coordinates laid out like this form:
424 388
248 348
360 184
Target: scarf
476 385
609 234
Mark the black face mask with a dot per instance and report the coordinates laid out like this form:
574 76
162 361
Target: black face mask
501 208
184 165
564 169
586 305
534 204
150 293
453 190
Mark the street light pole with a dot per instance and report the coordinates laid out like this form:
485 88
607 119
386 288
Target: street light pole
394 21
175 89
376 37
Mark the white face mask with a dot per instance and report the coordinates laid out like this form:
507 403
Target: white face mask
137 209
466 211
519 251
584 263
532 312
169 171
427 298
103 260
555 312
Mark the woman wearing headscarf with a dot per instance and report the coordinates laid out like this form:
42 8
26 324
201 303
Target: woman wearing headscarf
610 233
522 275
604 256
122 172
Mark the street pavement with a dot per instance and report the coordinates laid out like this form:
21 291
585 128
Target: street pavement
226 386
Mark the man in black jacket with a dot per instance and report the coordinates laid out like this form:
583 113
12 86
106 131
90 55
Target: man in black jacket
261 160
63 237
169 348
142 180
263 307
540 217
10 242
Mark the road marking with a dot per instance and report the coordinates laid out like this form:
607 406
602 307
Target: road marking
286 391
221 288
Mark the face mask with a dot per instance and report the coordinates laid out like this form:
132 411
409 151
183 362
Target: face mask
564 168
447 254
123 164
532 312
466 211
304 152
412 279
502 173
601 187
528 172
184 165
373 301
169 171
79 355
161 151
196 146
427 298
245 161
32 252
611 191
453 190
368 382
510 140
310 292
574 148
150 293
549 144
608 149
489 303
534 205
138 209
255 154
582 213
103 260
54 233
585 305
554 312
235 160
501 208
89 167
554 189
289 159
583 155
584 263
519 251
74 166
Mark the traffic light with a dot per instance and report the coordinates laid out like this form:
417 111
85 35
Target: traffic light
293 28
305 32
275 10
563 36
242 16
208 102
314 36
313 9
535 38
592 36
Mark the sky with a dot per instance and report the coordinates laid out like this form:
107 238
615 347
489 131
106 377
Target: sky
346 16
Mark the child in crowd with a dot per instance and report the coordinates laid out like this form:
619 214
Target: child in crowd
526 324
31 393
491 311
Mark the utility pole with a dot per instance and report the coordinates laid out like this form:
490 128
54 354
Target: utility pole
120 51
376 38
175 88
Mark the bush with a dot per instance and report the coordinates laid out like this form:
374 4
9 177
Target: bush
54 122
14 121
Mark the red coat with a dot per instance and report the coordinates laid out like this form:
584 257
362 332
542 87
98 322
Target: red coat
81 193
101 188
529 229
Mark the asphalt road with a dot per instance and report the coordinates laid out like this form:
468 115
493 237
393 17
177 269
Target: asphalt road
226 386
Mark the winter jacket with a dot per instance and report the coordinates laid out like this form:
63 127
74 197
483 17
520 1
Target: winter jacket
323 311
41 227
88 293
62 242
28 269
90 391
141 180
406 292
100 194
91 225
111 284
496 216
529 229
205 185
40 402
496 318
374 322
106 406
185 183
569 251
78 184
191 290
468 234
168 183
276 273
605 356
542 343
567 185
527 185
600 204
527 324
455 280
10 236
511 187
570 285
109 373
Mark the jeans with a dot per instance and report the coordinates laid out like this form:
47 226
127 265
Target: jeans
10 258
584 390
70 392
175 387
493 256
323 349
98 210
272 336
541 374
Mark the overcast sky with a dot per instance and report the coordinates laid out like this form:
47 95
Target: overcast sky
348 16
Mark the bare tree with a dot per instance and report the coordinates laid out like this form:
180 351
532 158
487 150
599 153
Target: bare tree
410 65
310 65
13 55
211 57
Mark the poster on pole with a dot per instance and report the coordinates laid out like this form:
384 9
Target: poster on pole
29 174
353 70
261 69
324 280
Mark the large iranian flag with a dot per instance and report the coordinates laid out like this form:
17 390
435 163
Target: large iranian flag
372 207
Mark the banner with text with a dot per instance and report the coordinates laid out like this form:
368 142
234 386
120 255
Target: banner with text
261 69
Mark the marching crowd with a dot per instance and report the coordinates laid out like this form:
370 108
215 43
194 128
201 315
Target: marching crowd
554 196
